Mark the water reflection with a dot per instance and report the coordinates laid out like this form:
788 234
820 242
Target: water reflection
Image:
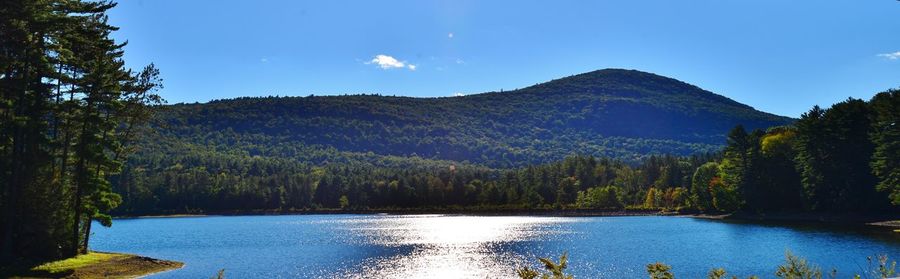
448 246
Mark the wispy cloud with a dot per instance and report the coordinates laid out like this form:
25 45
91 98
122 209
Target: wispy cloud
450 35
389 62
891 56
264 60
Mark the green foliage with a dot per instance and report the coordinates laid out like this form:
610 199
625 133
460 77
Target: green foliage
527 273
794 267
653 198
779 182
675 197
824 163
191 182
735 172
609 197
552 270
344 202
702 185
734 166
885 269
716 273
797 268
882 267
724 198
61 266
69 112
567 190
886 137
620 114
666 198
834 151
660 271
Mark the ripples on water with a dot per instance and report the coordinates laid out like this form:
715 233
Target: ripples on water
448 246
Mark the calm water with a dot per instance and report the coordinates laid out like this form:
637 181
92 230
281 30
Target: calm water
437 246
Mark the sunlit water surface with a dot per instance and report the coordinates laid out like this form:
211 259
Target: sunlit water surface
442 246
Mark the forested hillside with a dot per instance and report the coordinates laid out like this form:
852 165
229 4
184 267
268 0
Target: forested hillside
286 152
621 114
840 160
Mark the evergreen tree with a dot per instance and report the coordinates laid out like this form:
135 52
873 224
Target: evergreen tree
68 108
886 137
811 158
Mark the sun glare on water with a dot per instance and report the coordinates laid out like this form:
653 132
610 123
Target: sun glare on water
448 246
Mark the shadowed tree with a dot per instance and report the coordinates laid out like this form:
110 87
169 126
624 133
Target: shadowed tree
886 136
67 109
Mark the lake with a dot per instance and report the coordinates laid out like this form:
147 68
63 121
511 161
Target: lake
454 246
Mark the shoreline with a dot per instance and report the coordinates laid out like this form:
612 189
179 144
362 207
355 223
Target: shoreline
884 221
479 212
890 222
95 264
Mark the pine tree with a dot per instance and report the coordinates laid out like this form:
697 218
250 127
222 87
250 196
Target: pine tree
67 109
811 158
886 137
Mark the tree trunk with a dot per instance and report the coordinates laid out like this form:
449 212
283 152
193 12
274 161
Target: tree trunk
87 234
80 171
16 169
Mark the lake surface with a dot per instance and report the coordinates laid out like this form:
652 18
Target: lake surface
452 246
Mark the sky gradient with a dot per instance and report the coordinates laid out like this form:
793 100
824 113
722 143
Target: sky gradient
778 56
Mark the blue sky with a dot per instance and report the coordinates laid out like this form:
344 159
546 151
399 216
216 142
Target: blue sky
777 56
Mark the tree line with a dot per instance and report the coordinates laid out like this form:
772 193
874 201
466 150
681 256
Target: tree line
843 159
839 160
206 182
69 111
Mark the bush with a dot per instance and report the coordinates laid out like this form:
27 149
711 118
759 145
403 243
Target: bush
794 267
553 270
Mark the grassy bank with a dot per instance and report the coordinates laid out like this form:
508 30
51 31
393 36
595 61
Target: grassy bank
94 265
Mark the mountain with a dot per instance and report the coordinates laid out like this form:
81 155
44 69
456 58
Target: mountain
623 114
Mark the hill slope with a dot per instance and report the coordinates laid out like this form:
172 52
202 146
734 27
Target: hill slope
623 114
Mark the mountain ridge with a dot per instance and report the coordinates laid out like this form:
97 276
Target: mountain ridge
624 114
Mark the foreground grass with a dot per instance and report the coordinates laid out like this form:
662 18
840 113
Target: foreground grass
95 265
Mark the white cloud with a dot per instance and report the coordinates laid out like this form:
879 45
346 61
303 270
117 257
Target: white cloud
450 35
460 61
389 62
386 62
264 60
457 94
891 56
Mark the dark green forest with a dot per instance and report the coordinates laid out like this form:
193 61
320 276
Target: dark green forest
70 112
837 160
623 114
